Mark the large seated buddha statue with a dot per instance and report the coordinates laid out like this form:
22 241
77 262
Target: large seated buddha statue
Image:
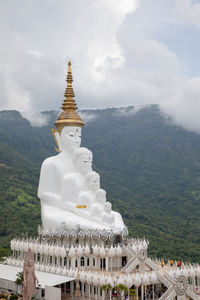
69 190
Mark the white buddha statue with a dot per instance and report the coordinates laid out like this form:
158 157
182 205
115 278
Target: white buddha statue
88 197
98 207
74 183
55 168
69 190
107 215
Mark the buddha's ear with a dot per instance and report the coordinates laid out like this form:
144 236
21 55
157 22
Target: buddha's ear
57 139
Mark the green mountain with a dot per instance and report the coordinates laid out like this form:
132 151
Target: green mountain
149 167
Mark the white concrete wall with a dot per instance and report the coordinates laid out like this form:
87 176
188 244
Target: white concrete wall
52 293
8 285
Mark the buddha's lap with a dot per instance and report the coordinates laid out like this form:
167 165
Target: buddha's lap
53 217
59 215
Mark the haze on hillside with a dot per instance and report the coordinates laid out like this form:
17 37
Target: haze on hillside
126 52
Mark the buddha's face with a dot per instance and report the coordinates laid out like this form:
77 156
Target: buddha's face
101 196
84 163
70 138
94 182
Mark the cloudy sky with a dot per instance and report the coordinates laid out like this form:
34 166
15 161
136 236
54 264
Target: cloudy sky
123 52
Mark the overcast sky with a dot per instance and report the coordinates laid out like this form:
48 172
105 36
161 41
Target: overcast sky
123 52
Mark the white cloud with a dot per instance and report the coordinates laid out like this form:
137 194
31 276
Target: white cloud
184 106
20 99
128 111
188 12
113 64
87 117
16 97
85 32
36 54
37 119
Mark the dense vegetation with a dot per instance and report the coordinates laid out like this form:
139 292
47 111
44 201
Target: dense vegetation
149 167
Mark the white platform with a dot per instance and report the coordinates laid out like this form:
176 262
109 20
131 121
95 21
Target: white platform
10 273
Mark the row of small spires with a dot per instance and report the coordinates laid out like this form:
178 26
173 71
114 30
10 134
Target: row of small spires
101 278
61 251
136 243
91 277
47 248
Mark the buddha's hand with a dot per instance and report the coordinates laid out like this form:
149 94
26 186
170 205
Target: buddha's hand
69 206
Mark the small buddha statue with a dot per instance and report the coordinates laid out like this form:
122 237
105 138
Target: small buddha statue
107 215
98 207
74 183
88 197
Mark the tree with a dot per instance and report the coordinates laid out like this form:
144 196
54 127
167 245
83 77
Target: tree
133 294
20 279
121 290
106 288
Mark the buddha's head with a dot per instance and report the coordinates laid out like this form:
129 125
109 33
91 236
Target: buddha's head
82 159
93 181
69 139
107 207
101 196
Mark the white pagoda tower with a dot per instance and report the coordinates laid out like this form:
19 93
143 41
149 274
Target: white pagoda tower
82 242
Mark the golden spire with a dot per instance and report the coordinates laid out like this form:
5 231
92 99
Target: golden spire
69 116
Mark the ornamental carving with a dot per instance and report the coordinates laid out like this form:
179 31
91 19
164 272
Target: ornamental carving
104 236
181 285
111 236
73 235
50 233
88 235
81 235
96 235
124 234
58 234
66 234
142 255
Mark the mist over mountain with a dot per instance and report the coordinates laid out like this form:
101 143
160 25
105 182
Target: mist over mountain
149 167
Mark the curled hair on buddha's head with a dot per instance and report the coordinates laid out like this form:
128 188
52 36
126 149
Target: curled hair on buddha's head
79 152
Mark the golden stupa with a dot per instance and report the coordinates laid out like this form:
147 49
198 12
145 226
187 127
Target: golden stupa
69 116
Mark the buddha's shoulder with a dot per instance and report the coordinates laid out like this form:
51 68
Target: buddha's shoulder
50 162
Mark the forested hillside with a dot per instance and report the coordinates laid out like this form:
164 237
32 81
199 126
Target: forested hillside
149 167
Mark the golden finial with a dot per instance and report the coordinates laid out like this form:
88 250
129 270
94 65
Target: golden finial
69 116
